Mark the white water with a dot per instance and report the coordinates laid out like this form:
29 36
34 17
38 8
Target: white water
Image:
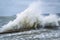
31 15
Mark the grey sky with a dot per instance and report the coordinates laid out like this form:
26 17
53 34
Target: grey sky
12 7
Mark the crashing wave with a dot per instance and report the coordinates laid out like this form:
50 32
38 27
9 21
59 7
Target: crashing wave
31 18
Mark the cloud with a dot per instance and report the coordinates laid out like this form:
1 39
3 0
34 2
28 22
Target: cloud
11 7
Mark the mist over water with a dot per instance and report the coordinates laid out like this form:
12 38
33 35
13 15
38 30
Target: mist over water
40 21
30 17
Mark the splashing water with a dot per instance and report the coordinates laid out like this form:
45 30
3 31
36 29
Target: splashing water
29 18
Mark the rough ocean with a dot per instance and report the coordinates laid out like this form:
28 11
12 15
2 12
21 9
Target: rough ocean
40 25
38 34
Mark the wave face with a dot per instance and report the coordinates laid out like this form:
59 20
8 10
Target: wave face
32 17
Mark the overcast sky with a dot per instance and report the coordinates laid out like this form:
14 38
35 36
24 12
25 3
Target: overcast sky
12 7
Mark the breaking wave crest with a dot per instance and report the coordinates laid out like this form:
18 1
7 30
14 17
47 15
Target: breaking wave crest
31 18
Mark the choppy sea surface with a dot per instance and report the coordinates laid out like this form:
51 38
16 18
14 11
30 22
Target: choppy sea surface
38 34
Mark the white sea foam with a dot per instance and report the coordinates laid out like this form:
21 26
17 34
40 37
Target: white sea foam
29 16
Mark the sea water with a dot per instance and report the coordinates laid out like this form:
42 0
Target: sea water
38 34
33 34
